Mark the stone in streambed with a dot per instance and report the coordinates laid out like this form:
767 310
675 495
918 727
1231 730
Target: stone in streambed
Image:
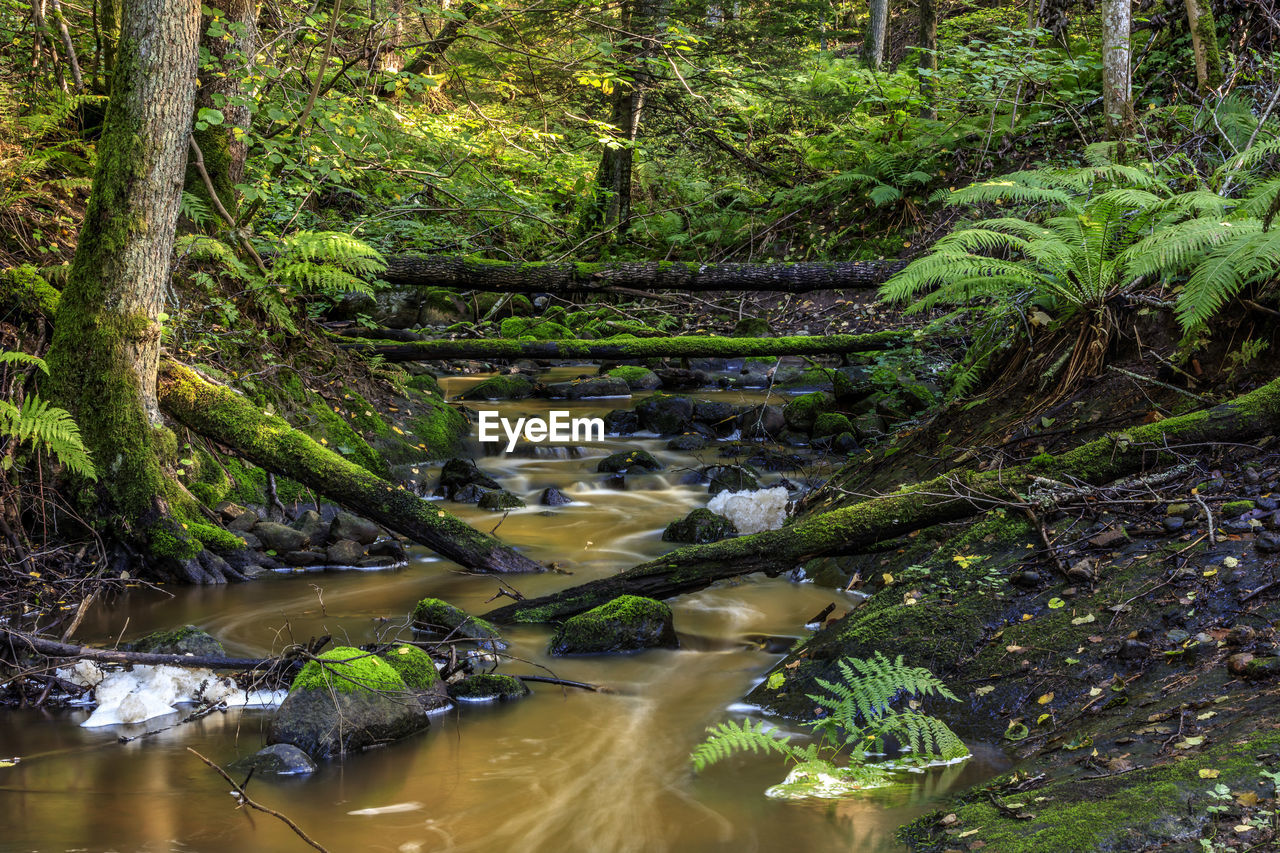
730 478
344 552
511 387
488 687
348 526
599 386
441 620
699 527
665 414
186 640
552 496
500 499
279 759
633 460
638 378
458 474
627 623
280 537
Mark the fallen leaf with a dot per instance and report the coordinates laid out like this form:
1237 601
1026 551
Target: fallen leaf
1206 773
1046 698
1084 620
984 690
1056 604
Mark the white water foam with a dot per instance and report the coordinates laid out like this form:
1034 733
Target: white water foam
752 512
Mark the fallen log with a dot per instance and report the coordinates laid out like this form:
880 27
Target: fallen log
54 649
218 413
950 497
626 348
576 278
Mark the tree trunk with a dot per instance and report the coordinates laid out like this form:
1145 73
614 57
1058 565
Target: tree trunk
426 59
928 58
106 343
611 208
877 29
685 347
569 278
952 496
1204 44
1117 84
72 60
269 442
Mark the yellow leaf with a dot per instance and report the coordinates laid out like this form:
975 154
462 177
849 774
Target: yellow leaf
1206 773
888 578
1027 617
1096 691
1210 573
1041 719
984 690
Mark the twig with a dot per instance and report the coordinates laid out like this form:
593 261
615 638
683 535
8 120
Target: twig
1138 376
1208 514
545 679
244 800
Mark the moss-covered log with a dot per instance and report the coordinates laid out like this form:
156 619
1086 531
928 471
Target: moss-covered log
22 641
569 278
626 348
953 496
268 441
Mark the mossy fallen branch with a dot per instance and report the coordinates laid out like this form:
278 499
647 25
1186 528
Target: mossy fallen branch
219 413
565 278
950 497
681 347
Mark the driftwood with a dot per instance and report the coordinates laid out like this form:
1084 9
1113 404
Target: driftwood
630 348
217 412
53 649
573 278
950 497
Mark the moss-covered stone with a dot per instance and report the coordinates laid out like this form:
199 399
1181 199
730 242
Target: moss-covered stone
436 618
629 461
831 423
801 412
414 665
498 500
186 640
514 386
627 623
345 669
1231 509
488 687
637 377
752 327
699 526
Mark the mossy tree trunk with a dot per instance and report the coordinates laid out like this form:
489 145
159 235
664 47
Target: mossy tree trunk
950 497
686 347
1204 45
106 343
424 62
877 30
572 278
229 419
229 37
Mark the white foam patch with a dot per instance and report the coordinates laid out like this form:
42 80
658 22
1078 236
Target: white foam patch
146 692
752 512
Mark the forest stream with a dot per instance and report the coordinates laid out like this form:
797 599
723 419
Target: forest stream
564 769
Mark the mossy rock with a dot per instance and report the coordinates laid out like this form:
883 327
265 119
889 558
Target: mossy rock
1231 509
752 327
500 499
488 687
801 412
344 669
440 619
628 461
187 640
699 527
414 665
514 386
534 328
459 473
596 386
637 377
665 414
323 722
730 478
627 623
831 423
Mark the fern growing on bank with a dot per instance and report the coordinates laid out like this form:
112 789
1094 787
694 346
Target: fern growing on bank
43 426
860 719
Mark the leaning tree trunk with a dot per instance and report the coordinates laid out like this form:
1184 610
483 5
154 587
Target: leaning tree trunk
950 497
877 29
221 88
106 343
1117 82
1204 45
572 278
433 52
693 346
612 206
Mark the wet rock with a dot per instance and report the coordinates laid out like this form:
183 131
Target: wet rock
441 620
621 422
279 759
470 494
852 384
680 379
1026 579
552 496
1177 636
845 442
348 526
419 674
1174 523
688 442
253 543
459 473
599 386
638 378
488 687
1267 504
801 412
1238 663
1241 635
302 559
717 416
186 640
1134 650
627 623
699 527
1109 539
280 537
229 511
762 421
344 552
1268 542
1261 668
315 527
831 423
392 548
665 414
343 702
1186 511
629 461
243 522
510 387
730 478
501 499
376 563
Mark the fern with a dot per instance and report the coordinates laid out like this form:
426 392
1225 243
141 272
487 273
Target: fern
47 428
15 357
727 739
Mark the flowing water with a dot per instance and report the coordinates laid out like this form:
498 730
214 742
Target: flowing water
563 770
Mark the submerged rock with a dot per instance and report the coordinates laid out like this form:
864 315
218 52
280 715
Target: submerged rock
279 759
627 623
500 499
345 701
488 687
699 527
187 640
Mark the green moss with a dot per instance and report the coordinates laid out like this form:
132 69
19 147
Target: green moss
333 431
802 412
830 423
488 687
414 665
627 622
630 373
348 670
439 618
1231 509
24 289
426 384
215 538
441 430
510 386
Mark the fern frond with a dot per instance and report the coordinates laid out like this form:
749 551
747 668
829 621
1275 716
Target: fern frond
48 428
926 738
1009 190
726 739
198 247
16 357
1249 257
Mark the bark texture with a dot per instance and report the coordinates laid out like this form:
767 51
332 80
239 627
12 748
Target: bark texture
568 278
688 347
877 29
1204 45
928 63
1117 72
219 413
953 496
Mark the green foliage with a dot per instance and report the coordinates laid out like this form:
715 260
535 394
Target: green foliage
43 426
860 717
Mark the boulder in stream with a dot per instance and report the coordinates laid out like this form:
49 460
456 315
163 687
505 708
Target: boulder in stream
596 386
508 387
699 527
187 640
348 526
458 475
730 478
627 623
345 701
500 499
488 687
441 620
279 759
628 461
665 414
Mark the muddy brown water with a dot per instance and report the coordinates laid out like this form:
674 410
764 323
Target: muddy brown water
563 770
